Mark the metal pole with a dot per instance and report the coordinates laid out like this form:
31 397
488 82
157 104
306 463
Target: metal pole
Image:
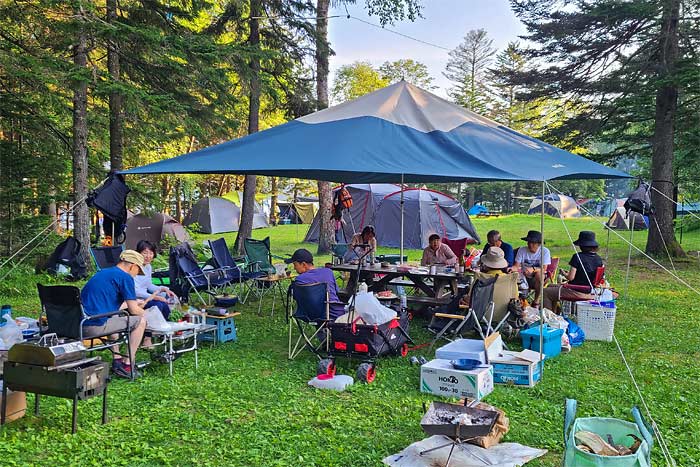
401 250
542 274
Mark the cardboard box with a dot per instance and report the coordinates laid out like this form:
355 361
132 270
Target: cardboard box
440 378
517 368
16 405
474 349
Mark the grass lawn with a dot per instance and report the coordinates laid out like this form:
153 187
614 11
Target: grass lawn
247 405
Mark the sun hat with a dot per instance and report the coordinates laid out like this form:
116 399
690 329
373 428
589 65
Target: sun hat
133 257
586 238
533 236
494 258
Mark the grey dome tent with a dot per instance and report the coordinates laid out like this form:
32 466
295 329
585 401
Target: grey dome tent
260 218
555 205
623 220
152 228
425 212
214 215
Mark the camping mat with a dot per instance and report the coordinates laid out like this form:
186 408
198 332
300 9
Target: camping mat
464 455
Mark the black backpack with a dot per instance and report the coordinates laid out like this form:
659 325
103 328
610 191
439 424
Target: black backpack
67 253
640 200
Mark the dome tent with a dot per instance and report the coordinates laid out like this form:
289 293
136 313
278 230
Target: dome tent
214 215
426 212
260 218
623 220
555 205
152 228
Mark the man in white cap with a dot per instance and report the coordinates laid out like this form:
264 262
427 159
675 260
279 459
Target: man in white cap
105 292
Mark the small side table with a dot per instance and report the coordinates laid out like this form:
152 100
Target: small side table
270 285
225 327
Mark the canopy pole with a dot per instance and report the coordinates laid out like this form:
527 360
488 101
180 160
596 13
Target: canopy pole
543 273
401 250
629 256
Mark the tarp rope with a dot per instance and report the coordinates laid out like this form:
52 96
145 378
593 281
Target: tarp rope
657 432
692 214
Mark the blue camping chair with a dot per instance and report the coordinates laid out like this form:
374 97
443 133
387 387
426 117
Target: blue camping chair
223 260
312 310
187 276
106 256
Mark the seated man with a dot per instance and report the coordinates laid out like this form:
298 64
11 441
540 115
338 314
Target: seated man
303 262
105 292
529 263
437 253
494 239
584 266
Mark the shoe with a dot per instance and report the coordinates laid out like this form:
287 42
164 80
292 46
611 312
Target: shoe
422 360
123 370
413 360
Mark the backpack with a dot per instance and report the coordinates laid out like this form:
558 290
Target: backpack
640 200
344 197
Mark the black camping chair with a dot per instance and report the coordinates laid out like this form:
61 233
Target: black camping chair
65 316
187 276
312 310
223 260
105 256
480 305
67 254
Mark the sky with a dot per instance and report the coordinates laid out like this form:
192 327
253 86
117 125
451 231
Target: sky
444 23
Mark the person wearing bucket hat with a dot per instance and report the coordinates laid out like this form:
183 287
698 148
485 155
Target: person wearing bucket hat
303 262
584 266
532 263
106 291
493 262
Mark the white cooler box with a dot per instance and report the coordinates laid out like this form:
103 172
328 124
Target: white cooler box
440 378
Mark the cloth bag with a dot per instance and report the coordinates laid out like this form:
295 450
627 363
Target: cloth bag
619 429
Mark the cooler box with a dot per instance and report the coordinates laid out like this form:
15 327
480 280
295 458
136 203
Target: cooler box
439 377
463 348
551 340
597 319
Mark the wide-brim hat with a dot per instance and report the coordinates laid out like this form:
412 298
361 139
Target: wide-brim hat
586 238
533 236
494 258
133 257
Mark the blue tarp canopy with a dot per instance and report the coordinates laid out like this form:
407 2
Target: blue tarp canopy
377 138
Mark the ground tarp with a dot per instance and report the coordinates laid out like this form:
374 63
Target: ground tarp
425 212
400 131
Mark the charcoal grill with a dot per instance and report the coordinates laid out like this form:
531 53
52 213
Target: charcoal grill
442 419
53 367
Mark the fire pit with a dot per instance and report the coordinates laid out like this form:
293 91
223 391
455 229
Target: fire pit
56 368
458 422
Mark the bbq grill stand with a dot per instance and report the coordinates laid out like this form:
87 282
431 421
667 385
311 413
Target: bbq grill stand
453 443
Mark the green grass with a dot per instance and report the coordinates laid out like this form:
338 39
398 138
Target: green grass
247 405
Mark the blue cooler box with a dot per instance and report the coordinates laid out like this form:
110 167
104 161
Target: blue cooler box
551 339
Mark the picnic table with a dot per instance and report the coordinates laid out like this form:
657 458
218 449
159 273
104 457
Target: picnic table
378 279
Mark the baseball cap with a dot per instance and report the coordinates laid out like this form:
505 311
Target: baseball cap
302 255
133 257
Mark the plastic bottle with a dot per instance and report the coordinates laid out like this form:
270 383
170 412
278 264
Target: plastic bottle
5 314
363 287
402 298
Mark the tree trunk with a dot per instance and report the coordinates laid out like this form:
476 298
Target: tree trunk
116 125
662 236
166 187
245 229
325 195
273 201
81 218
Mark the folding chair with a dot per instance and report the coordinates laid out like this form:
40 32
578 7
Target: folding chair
105 256
312 309
457 246
223 260
598 280
187 275
65 316
258 255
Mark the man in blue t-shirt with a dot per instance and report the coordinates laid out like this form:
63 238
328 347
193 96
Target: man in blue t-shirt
494 239
106 291
303 262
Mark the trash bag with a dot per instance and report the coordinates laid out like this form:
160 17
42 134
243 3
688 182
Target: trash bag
371 310
10 334
575 333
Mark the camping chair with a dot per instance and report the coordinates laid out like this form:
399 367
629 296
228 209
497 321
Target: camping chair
598 281
105 256
223 260
65 316
457 246
259 260
338 251
490 297
187 275
312 309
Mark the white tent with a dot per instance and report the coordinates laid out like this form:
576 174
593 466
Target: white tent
555 205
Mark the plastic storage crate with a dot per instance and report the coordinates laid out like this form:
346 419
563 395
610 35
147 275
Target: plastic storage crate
597 319
551 339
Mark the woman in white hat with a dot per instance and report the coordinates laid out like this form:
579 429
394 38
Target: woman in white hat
494 261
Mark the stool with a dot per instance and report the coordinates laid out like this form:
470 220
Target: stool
225 328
